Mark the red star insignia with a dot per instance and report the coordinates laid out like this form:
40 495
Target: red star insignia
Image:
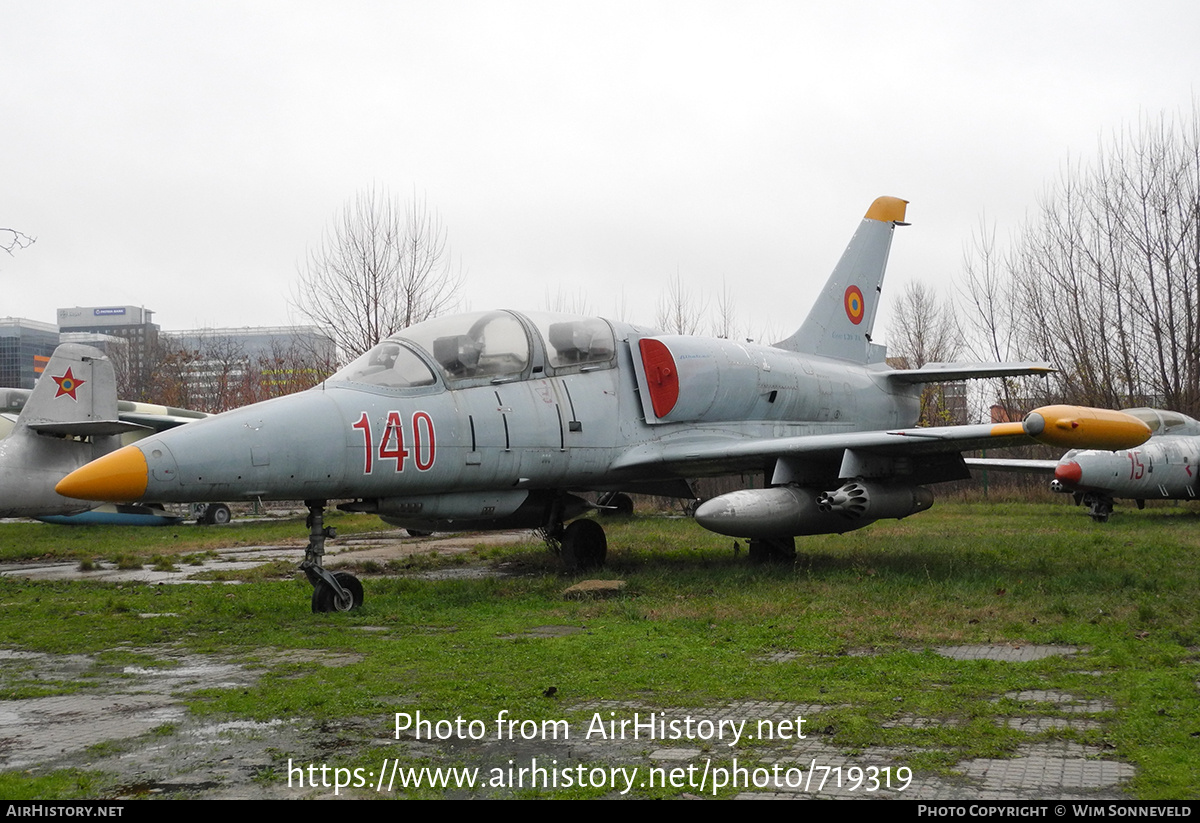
67 384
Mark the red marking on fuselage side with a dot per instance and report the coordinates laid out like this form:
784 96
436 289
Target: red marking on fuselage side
393 431
424 442
364 426
661 375
391 445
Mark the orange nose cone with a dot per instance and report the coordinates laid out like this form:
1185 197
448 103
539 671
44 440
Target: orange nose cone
117 478
1070 473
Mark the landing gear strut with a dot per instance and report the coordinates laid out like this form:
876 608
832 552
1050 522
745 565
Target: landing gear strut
339 592
1100 506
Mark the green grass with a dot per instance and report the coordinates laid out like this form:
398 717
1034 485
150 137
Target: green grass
858 613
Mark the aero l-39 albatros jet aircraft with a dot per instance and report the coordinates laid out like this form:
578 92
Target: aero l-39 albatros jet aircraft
1164 468
498 419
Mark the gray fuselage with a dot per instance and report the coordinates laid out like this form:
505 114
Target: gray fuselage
539 420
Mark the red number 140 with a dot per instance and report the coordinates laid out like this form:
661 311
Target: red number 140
391 444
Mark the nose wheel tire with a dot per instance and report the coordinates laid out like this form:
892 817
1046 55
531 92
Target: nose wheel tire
325 599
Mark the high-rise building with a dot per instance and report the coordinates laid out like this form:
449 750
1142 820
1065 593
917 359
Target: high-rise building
132 323
25 349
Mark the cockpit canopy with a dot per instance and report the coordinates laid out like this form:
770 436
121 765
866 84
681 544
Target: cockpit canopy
1165 422
484 347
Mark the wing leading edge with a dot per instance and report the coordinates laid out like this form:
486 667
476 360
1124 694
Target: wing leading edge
1066 426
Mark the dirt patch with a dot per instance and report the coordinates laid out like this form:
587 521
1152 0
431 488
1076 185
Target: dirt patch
348 552
130 723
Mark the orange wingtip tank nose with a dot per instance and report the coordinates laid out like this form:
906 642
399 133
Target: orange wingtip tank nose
1080 427
116 478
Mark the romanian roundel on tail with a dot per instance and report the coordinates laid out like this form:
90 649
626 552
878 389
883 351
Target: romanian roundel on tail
841 321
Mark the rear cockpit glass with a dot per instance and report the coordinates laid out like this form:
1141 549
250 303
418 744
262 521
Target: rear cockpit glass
1163 421
1151 417
389 365
574 341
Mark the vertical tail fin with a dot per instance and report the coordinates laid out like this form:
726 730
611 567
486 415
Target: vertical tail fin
840 322
76 394
67 420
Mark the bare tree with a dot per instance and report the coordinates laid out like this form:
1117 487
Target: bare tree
925 329
11 240
1104 280
680 311
382 266
289 367
724 323
564 303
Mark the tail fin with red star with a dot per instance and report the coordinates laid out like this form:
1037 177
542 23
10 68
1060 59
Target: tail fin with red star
76 396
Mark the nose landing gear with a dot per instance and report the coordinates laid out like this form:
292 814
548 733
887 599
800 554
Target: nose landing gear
338 592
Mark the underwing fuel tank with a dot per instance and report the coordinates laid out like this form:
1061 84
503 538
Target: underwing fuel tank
795 511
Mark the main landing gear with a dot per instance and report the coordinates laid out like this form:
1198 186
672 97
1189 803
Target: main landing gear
581 545
338 592
772 549
584 546
1100 506
615 504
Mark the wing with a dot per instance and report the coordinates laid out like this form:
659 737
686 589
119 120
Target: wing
1000 464
156 417
927 454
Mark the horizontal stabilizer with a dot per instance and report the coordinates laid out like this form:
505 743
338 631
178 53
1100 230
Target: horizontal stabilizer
86 428
157 422
947 372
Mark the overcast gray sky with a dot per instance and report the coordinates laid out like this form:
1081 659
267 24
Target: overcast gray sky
183 155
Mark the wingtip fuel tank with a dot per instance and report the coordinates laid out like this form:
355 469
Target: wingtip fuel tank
1082 427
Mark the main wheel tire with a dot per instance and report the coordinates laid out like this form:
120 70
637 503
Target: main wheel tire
772 549
584 546
621 505
218 514
324 599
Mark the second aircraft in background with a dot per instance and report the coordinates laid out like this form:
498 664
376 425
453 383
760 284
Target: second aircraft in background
1163 468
